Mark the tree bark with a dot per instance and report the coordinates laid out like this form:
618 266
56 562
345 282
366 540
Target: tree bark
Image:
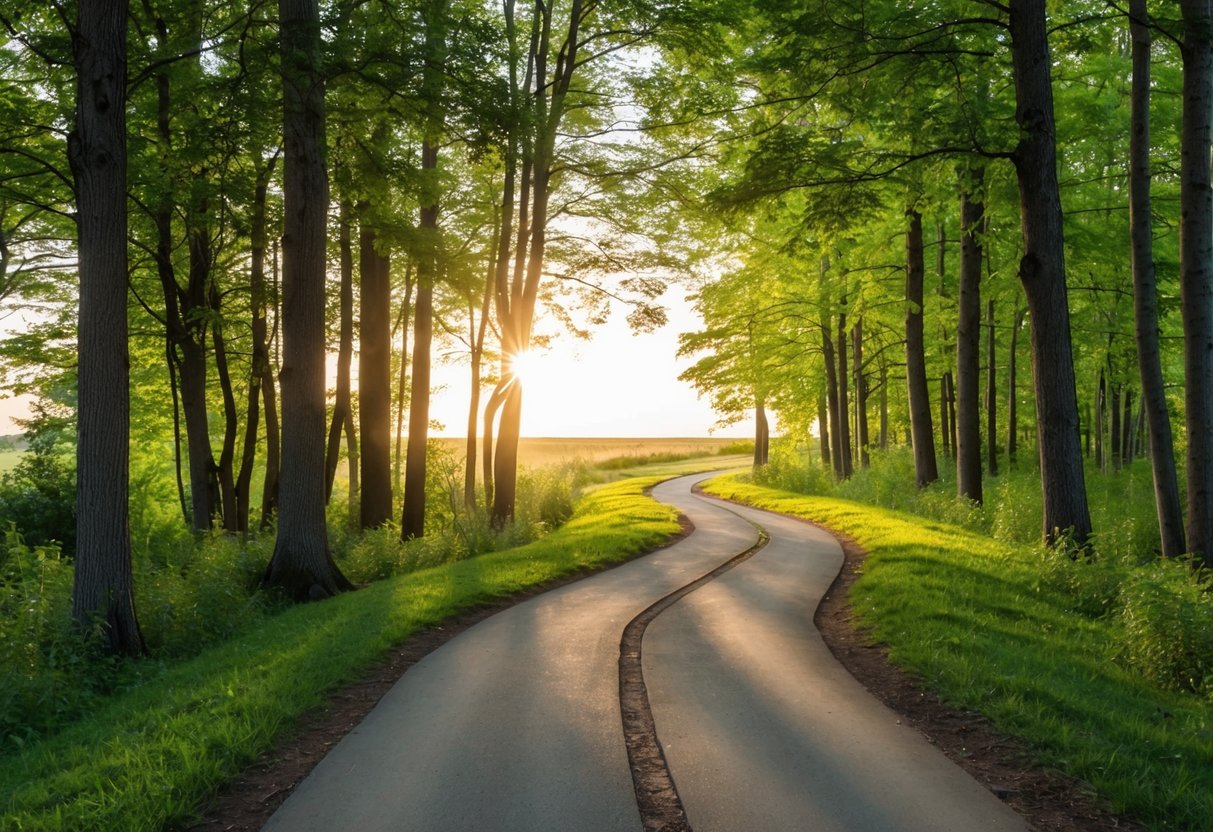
1101 398
991 394
1043 275
761 434
823 431
861 393
102 587
925 471
260 358
345 353
834 435
844 398
1114 435
1196 271
968 340
1013 390
884 405
945 424
302 565
225 470
406 310
374 379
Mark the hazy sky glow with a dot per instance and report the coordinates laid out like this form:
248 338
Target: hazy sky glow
617 384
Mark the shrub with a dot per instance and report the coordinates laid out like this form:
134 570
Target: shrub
1167 612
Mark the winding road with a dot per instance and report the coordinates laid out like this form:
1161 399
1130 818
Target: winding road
516 724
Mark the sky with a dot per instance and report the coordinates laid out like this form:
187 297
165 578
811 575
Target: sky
619 384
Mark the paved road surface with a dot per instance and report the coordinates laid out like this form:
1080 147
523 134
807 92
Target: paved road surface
515 724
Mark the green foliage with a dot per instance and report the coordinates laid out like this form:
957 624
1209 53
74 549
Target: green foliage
38 496
147 757
1167 612
980 622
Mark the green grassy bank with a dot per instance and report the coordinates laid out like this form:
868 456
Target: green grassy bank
149 756
994 627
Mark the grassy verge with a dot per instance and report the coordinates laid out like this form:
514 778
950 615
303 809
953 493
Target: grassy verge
149 756
983 624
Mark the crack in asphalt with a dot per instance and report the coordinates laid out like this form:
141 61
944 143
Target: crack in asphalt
661 808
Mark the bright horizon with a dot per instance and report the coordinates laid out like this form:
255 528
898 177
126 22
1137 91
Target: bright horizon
619 384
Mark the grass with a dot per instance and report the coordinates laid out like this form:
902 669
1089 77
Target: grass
536 452
982 623
151 754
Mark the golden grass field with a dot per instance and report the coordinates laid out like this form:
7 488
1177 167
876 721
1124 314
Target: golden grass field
536 452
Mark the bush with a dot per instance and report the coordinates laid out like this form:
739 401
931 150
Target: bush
1167 612
38 496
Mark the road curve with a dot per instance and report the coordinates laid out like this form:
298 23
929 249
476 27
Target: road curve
515 724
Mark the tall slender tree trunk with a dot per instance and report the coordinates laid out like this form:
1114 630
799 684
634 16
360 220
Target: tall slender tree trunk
477 339
1043 275
412 520
259 365
835 431
1196 270
1101 397
761 434
884 405
925 471
968 340
844 398
945 424
991 394
225 470
302 565
823 431
861 393
402 395
345 353
1114 435
1013 390
102 585
374 379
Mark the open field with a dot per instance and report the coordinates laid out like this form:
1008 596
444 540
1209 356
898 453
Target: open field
536 452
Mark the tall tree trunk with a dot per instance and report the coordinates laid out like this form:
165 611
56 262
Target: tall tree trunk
345 352
406 309
1043 274
1196 271
1114 435
1013 392
412 520
945 424
374 379
477 336
226 469
861 392
884 405
1101 397
491 408
1126 422
968 340
823 431
259 365
302 565
761 433
835 431
102 586
844 398
269 399
991 394
925 471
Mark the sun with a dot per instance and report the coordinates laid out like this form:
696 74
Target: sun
528 366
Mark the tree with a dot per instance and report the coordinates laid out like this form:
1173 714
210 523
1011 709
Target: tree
968 339
102 590
302 565
1196 270
1043 274
925 470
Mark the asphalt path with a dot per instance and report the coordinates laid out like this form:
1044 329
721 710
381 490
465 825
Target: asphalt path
515 724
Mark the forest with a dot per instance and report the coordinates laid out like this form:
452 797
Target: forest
960 252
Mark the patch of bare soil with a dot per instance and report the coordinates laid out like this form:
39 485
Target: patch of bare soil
1048 800
245 804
